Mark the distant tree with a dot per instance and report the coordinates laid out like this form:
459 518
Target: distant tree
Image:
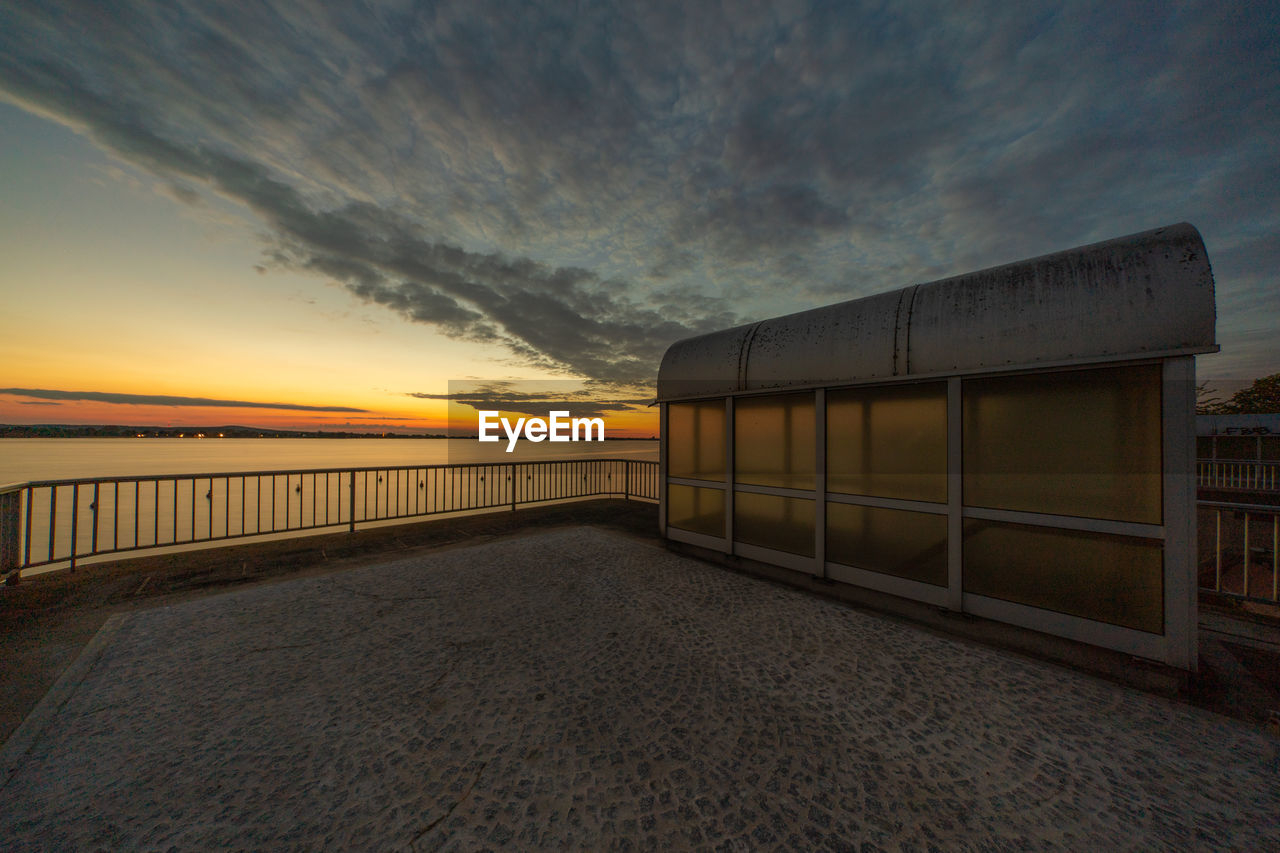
1206 401
1260 398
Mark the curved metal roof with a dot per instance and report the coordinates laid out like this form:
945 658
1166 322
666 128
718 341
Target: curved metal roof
1137 296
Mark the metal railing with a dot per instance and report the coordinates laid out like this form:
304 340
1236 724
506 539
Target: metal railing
1240 475
1240 550
65 521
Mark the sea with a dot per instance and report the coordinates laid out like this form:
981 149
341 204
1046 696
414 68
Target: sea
32 459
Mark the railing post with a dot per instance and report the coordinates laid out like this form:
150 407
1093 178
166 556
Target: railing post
26 537
1246 555
76 523
10 518
94 507
1217 550
513 487
353 501
626 480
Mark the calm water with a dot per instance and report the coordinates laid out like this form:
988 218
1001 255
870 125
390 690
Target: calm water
23 459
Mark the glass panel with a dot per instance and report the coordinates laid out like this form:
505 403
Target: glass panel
696 510
784 524
1114 579
888 442
906 544
1082 443
1204 447
774 441
695 440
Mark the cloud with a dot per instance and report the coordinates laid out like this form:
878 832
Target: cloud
545 396
583 189
165 400
383 417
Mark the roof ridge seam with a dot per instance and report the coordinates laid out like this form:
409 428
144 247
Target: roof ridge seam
911 309
744 353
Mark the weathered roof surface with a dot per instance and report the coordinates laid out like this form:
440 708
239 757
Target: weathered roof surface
1136 296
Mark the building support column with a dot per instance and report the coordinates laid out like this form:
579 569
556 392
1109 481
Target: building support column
1181 611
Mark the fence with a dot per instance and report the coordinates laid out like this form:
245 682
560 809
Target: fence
64 521
1238 475
1238 550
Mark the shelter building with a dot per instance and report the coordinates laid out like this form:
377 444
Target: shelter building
1016 443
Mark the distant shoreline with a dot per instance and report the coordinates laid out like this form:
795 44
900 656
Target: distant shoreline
203 432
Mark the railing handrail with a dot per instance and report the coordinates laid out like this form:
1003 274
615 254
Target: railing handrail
1205 460
341 469
1239 507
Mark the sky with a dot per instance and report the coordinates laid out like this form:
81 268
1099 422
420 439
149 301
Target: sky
307 215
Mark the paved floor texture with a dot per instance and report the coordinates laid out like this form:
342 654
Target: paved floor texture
582 689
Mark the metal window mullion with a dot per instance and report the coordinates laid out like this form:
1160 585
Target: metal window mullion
820 482
698 484
730 478
1178 451
1118 637
884 503
779 491
662 469
1067 522
955 495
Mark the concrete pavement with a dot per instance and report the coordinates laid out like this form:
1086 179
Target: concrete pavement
584 689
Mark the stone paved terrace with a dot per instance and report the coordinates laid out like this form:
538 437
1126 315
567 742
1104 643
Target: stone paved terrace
583 689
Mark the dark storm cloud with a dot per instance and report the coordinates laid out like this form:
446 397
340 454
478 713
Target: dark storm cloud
164 400
585 186
508 397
